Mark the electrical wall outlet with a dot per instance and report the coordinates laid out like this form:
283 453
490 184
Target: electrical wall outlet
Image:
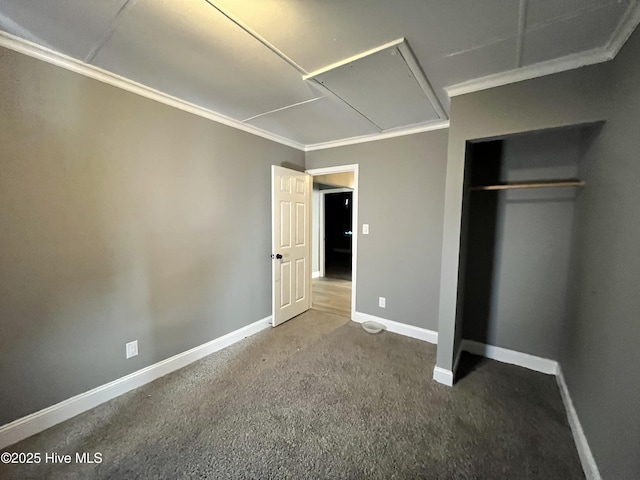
382 302
131 349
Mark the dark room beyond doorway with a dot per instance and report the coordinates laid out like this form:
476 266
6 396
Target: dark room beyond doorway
338 234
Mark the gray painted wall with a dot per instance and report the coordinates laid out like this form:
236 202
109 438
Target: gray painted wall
530 234
553 101
600 355
400 258
121 219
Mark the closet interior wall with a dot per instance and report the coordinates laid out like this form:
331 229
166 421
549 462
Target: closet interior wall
516 245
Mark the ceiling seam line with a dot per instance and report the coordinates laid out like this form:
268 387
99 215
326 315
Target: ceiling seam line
350 106
281 109
284 57
493 41
280 54
258 37
531 28
522 21
115 23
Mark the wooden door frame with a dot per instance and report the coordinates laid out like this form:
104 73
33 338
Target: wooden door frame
354 224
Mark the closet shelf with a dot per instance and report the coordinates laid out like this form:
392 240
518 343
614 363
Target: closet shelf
531 184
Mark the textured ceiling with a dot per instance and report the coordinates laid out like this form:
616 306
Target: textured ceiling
246 59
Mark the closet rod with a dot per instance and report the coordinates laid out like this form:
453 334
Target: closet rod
539 184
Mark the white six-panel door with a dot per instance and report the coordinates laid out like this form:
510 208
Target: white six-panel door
291 243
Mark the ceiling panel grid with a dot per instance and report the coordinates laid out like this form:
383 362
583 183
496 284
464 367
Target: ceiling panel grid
247 59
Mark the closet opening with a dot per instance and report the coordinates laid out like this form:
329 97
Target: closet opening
516 241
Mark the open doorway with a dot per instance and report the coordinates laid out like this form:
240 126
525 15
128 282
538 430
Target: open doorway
337 234
334 242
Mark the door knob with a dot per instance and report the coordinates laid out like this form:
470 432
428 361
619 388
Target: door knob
277 255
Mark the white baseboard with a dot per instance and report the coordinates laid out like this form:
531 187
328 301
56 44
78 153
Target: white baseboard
440 375
400 328
550 367
443 376
39 421
447 377
584 452
315 275
539 364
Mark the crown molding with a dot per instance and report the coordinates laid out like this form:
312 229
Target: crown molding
619 37
399 132
624 30
562 64
74 65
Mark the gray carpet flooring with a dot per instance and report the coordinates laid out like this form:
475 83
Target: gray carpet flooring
318 397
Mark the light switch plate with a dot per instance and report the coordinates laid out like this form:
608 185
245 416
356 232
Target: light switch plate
365 229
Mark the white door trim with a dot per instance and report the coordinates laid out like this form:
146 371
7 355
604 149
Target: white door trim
355 225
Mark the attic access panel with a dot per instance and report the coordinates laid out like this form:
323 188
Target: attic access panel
386 85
